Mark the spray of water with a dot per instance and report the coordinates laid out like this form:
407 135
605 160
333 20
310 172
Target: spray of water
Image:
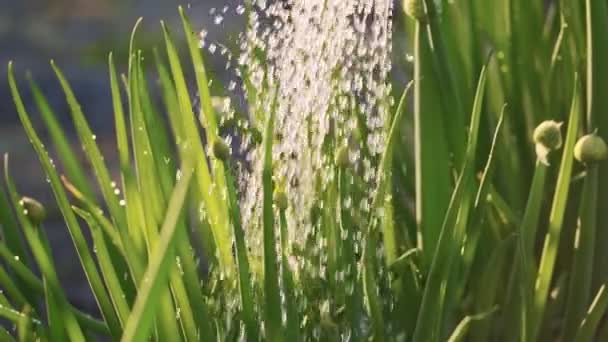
322 66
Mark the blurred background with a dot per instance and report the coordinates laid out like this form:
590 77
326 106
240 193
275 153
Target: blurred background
77 35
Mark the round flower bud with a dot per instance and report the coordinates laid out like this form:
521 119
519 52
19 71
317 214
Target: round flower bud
342 157
549 134
280 199
414 9
591 148
33 209
547 137
221 150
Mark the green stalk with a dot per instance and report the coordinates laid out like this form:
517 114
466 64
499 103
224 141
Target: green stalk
460 332
597 109
385 174
11 288
448 90
292 330
45 262
10 231
433 181
107 268
579 290
588 327
32 281
6 336
556 219
525 248
352 287
271 281
246 290
453 232
529 224
155 279
370 286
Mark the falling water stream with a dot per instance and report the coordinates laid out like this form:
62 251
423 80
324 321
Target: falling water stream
325 63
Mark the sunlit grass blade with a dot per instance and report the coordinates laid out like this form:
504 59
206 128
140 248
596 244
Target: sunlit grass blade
183 309
192 144
65 152
93 153
160 147
134 219
80 243
107 268
159 267
122 141
547 262
149 184
209 120
97 214
172 108
207 112
145 169
169 97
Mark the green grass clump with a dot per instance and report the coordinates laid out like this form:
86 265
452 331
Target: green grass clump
475 233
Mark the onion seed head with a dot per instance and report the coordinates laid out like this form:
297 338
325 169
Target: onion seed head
342 157
280 199
221 150
547 137
590 149
414 9
34 210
